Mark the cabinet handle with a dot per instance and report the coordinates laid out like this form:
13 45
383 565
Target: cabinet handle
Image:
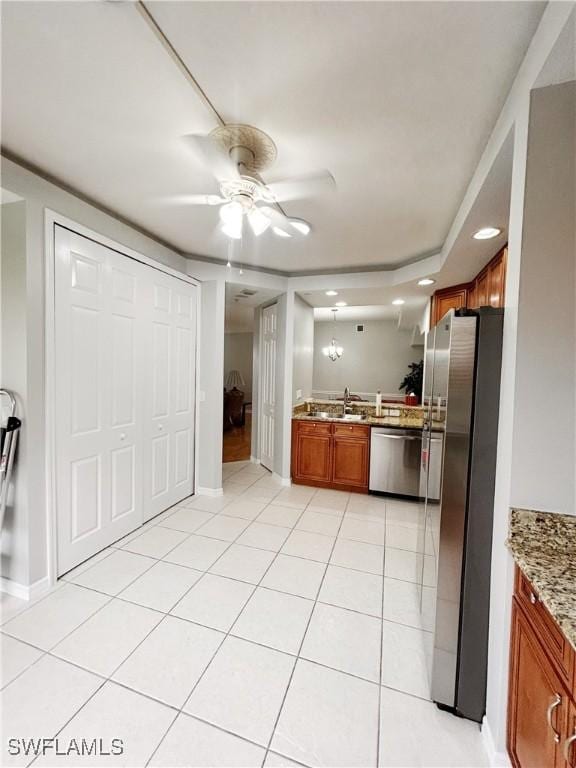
557 701
533 598
567 744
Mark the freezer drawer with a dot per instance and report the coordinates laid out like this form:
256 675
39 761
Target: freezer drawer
395 461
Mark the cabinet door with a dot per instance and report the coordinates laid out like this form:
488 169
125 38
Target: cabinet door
496 280
350 461
452 298
482 289
569 745
312 456
538 705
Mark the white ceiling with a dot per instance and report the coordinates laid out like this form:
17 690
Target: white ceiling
372 304
397 100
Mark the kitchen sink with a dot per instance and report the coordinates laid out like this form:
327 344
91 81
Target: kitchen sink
336 417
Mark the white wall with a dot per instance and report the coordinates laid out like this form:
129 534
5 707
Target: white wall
14 377
538 359
544 460
210 410
238 356
303 350
39 195
376 359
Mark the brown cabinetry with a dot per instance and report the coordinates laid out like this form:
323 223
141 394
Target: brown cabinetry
485 290
330 455
541 709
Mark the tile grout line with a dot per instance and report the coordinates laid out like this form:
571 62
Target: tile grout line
378 727
226 635
277 720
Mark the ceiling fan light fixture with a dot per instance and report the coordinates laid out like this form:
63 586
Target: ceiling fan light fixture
231 213
258 221
280 232
233 229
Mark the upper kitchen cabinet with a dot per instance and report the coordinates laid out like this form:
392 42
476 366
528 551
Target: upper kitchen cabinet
485 290
497 279
446 299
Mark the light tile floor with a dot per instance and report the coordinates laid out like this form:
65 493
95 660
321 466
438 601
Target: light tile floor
269 627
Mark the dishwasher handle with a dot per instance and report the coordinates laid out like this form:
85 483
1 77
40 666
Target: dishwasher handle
396 437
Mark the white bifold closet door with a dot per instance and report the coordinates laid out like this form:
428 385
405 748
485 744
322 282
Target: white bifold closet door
268 342
170 393
124 394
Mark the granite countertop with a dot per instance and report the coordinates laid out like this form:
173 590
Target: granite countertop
543 545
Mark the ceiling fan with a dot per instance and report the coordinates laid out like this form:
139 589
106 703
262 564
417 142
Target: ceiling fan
235 154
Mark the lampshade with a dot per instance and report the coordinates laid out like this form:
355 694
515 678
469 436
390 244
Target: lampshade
234 380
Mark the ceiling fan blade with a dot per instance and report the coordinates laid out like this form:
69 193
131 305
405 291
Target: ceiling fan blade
303 186
209 153
280 223
192 200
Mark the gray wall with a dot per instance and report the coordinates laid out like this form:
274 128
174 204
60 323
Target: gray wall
377 359
544 458
302 374
238 349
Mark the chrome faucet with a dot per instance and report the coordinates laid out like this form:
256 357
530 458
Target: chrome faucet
346 408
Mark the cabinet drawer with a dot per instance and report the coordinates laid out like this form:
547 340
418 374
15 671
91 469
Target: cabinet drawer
351 430
553 640
314 428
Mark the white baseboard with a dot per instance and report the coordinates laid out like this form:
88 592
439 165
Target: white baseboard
496 759
23 591
209 491
284 480
254 460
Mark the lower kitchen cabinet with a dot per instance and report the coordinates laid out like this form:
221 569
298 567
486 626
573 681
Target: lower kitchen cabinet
541 705
331 455
313 454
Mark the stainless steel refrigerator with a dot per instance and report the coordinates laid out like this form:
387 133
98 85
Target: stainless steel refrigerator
461 399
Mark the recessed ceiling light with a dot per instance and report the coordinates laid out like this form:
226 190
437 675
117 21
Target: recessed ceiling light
426 281
340 304
331 293
398 302
486 233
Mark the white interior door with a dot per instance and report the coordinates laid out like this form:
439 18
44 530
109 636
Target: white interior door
125 338
170 393
98 397
267 417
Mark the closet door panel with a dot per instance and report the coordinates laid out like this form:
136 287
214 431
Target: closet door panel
97 437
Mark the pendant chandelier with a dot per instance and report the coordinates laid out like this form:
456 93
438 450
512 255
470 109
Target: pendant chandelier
333 350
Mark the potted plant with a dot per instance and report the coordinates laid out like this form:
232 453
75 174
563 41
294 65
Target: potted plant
412 383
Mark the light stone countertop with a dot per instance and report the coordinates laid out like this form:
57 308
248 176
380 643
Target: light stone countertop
543 545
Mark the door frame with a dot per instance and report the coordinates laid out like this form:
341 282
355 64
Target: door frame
51 220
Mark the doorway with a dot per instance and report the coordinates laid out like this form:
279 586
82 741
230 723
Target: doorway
238 372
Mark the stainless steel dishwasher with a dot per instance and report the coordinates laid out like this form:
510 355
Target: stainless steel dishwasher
395 460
